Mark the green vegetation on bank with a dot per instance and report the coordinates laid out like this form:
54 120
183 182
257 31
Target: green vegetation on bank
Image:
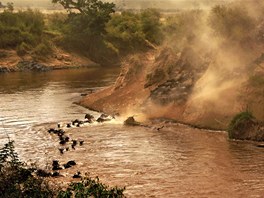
23 31
18 180
94 29
237 121
244 126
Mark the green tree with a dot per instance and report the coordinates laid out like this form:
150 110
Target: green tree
125 31
151 26
91 15
10 7
86 28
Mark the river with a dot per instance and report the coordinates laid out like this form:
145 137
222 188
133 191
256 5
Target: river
177 161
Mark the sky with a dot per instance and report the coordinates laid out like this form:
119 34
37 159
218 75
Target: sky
166 4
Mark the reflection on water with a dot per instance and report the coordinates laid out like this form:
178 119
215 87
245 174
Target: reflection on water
177 161
29 98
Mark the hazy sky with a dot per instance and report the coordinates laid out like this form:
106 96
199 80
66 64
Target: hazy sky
127 3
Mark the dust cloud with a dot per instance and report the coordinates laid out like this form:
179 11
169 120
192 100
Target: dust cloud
227 38
228 70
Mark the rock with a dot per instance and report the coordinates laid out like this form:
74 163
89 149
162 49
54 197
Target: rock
131 121
33 66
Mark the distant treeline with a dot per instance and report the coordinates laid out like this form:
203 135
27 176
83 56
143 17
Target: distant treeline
104 35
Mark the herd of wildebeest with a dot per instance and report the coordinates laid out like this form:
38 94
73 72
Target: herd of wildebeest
66 143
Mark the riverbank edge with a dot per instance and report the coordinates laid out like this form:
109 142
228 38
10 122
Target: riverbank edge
40 67
160 120
10 61
167 121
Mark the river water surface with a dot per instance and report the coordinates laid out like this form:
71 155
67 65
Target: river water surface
177 161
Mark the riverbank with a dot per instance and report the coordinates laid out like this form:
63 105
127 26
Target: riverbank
60 59
188 87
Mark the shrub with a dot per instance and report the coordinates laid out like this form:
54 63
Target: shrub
57 22
238 120
89 187
22 49
130 31
125 32
16 180
23 26
43 50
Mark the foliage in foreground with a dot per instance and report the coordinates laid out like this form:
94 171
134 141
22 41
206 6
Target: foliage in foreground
89 187
17 180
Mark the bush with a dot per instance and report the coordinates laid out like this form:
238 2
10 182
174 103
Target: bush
130 31
238 120
89 187
23 26
22 49
56 22
125 32
43 50
16 180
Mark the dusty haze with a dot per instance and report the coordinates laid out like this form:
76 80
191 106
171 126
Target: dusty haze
129 4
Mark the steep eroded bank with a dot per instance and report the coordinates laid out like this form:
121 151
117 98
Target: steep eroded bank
191 87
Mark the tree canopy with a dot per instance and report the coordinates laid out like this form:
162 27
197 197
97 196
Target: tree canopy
96 12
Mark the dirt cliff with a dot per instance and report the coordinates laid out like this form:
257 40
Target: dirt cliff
190 86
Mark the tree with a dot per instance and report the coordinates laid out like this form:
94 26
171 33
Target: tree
10 6
151 26
93 13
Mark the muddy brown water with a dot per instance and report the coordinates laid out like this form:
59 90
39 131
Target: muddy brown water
177 161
